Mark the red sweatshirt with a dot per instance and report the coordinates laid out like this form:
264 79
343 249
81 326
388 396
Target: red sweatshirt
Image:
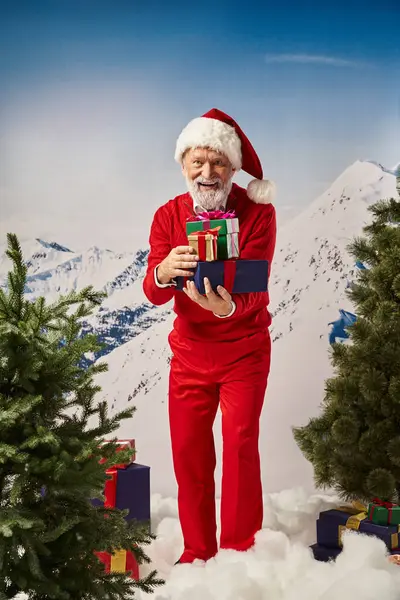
257 237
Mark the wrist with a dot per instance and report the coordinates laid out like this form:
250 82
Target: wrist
161 276
228 312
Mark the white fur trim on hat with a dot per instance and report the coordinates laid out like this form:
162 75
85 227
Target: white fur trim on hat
261 191
204 132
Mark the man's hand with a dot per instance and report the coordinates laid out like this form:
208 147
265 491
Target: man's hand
220 304
177 263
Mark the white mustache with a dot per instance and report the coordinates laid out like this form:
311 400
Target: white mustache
208 181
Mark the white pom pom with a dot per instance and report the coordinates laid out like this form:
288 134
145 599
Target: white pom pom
261 191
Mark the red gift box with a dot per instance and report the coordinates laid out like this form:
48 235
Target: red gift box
121 561
105 558
122 445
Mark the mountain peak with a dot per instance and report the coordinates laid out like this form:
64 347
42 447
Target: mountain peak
53 246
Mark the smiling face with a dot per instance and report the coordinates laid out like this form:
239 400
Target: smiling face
208 176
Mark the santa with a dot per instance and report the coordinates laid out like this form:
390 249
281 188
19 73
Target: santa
220 343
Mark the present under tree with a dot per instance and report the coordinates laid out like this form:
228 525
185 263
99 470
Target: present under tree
51 434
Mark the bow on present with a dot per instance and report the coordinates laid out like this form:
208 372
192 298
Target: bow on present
380 502
213 215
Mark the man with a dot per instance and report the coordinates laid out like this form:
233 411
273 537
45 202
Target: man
220 343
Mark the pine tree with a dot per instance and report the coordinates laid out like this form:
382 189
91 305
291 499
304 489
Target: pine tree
51 427
354 444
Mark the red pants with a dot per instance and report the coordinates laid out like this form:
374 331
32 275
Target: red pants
203 376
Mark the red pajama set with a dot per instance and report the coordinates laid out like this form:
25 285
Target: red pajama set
216 362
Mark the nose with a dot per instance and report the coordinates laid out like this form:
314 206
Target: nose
207 170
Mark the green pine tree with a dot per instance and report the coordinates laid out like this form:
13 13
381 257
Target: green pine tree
354 444
51 427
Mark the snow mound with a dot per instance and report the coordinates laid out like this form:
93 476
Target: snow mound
280 566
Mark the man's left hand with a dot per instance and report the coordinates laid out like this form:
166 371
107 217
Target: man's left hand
220 304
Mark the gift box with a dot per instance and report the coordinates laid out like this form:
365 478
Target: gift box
128 489
236 276
133 491
120 561
228 231
205 244
332 524
122 445
383 513
323 553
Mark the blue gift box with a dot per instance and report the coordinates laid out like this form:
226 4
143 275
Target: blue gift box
249 276
323 553
133 492
332 523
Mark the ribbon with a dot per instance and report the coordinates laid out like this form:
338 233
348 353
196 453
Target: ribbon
118 561
380 502
213 215
234 245
353 522
359 506
229 275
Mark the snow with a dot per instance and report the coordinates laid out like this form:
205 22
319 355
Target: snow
280 566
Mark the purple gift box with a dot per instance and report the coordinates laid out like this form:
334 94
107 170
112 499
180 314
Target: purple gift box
237 276
332 523
133 492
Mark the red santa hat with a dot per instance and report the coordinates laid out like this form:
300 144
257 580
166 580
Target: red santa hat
221 133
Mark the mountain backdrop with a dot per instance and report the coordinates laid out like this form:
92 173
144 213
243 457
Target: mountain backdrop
309 276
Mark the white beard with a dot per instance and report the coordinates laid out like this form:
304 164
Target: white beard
213 199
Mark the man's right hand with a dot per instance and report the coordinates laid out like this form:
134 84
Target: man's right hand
177 263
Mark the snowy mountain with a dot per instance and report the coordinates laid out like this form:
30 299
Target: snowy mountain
54 269
309 276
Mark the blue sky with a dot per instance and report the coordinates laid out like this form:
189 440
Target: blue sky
94 93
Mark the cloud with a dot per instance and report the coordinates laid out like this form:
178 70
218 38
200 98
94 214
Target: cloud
311 59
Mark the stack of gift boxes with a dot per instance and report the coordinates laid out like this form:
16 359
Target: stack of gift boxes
379 519
127 488
215 238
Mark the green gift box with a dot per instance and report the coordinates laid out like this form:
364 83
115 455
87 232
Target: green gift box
228 234
383 513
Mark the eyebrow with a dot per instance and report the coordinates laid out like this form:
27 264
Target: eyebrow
213 158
